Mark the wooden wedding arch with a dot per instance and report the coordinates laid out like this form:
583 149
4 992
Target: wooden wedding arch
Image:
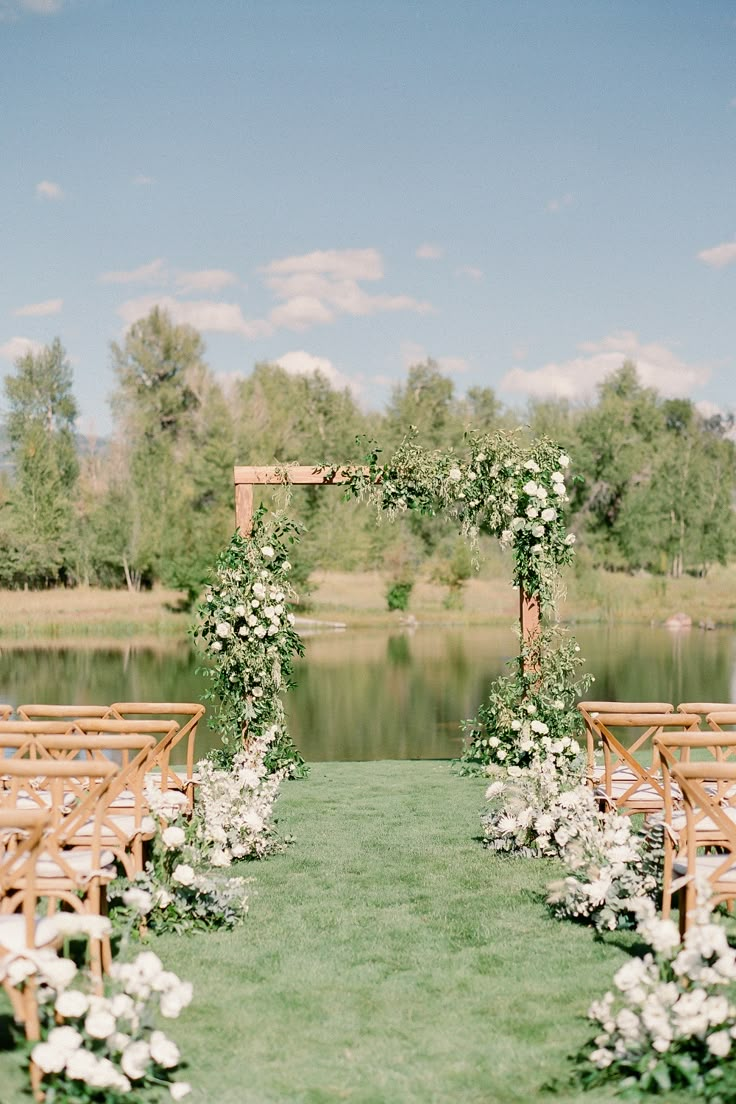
246 478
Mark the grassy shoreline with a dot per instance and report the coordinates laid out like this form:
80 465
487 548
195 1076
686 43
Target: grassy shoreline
357 599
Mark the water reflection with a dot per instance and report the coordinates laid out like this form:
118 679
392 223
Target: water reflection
382 694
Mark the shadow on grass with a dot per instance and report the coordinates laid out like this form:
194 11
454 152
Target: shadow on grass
8 1032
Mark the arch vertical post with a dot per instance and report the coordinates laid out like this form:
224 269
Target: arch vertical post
529 615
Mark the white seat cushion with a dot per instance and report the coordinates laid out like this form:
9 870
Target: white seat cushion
126 824
13 933
706 865
79 860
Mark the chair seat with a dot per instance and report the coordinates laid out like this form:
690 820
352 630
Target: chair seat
13 934
644 795
126 824
80 860
706 865
679 821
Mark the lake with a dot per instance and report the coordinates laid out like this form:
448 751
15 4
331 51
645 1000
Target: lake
383 694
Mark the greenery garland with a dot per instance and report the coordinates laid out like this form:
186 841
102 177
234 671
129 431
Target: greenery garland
247 633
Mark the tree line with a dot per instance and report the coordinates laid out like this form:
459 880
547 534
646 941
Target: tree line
652 487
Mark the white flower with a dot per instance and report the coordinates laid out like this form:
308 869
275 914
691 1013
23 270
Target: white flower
49 1059
290 618
224 630
257 692
173 837
517 524
601 1058
570 538
259 591
253 821
530 488
183 874
138 899
220 857
81 1065
267 551
122 1007
286 566
162 898
494 790
719 1043
259 631
58 972
135 1059
549 513
106 1076
72 1003
175 999
564 460
252 620
65 1038
559 490
540 727
163 1050
216 646
531 512
179 1089
242 631
239 611
148 965
532 466
455 475
537 530
100 1024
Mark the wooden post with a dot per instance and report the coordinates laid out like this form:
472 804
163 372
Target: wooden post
244 508
529 616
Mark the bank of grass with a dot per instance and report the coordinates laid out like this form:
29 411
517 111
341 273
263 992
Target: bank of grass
387 959
358 599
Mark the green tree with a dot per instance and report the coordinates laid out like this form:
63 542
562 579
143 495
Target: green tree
38 520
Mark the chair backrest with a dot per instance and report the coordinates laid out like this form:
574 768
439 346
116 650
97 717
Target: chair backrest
186 715
60 712
22 834
721 720
704 708
5 711
641 787
675 748
702 800
591 709
72 792
18 739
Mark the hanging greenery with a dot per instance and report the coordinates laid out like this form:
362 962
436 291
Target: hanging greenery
246 630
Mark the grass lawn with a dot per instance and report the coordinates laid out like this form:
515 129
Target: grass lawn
387 959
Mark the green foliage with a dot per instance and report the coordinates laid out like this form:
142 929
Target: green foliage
248 637
398 595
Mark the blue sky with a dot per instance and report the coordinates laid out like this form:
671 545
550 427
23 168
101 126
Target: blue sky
528 192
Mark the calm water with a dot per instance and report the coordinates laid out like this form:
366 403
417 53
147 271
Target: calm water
384 694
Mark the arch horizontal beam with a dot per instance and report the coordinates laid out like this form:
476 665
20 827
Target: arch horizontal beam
298 474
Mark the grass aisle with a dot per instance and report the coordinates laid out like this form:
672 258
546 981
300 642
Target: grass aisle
387 959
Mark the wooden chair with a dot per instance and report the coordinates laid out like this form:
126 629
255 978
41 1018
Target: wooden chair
73 793
186 716
5 711
703 803
60 712
19 739
21 832
125 825
677 748
590 711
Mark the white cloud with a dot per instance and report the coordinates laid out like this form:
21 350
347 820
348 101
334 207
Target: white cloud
317 287
152 273
141 180
719 255
38 310
18 347
413 353
348 264
205 279
41 7
429 251
471 271
577 379
301 363
204 314
554 206
47 189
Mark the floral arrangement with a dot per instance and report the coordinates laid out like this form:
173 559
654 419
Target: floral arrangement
102 1048
233 816
611 867
247 633
173 894
671 1020
536 810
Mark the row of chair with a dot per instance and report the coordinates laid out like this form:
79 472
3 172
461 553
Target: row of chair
79 786
674 766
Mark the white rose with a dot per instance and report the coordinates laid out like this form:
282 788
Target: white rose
267 551
537 530
252 620
122 1006
81 1065
216 646
530 488
286 566
564 460
106 1076
532 466
164 1050
259 590
100 1024
174 1000
65 1038
549 514
531 512
173 836
455 475
290 618
719 1043
253 821
223 630
239 611
517 524
72 1003
570 538
259 631
162 898
242 631
49 1059
135 1059
183 874
148 965
179 1089
138 899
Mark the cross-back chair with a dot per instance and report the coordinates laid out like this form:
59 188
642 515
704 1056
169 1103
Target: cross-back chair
704 787
73 793
590 711
21 838
60 712
125 827
186 716
675 748
20 739
704 708
5 711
